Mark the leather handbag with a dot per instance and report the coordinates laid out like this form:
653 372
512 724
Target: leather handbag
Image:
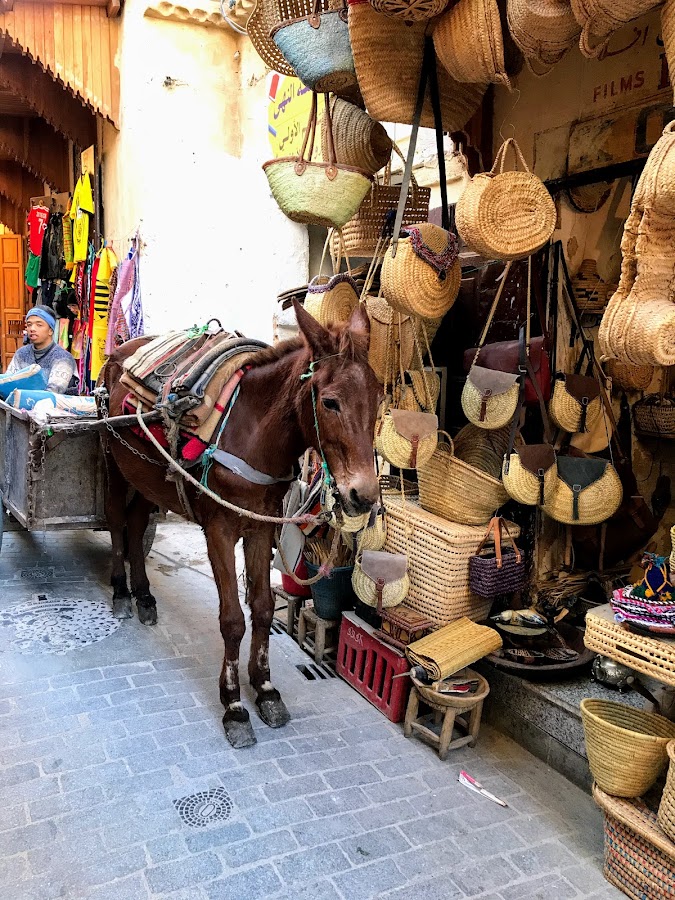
504 356
380 579
499 571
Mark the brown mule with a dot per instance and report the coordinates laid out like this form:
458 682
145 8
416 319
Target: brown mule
270 426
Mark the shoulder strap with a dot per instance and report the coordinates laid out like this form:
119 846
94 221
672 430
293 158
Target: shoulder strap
493 310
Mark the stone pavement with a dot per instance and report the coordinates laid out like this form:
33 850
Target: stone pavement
117 782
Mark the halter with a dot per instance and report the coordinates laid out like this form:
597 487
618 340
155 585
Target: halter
328 479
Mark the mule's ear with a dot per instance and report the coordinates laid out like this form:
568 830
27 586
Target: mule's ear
359 325
319 338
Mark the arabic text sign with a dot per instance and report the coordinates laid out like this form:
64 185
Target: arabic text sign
289 106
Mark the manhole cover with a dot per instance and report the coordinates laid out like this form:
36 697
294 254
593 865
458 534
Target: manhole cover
56 625
205 808
38 573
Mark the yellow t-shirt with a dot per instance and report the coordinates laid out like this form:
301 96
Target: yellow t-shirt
80 209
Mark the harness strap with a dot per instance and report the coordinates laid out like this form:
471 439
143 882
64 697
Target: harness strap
242 468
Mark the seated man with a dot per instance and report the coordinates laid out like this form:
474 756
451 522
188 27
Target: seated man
57 364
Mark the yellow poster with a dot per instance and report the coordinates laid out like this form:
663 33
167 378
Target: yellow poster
288 112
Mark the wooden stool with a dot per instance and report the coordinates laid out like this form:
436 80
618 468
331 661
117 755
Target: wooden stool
448 709
293 606
309 621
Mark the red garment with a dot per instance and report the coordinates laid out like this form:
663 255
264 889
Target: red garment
37 220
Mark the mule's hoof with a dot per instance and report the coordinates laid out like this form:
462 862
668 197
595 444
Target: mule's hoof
272 710
147 612
239 734
122 608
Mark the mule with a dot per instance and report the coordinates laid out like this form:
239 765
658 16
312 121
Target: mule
277 416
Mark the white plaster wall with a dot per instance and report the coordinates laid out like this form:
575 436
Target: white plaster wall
185 169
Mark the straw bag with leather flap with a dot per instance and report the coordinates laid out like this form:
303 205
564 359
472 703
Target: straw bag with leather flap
586 491
502 571
380 579
406 439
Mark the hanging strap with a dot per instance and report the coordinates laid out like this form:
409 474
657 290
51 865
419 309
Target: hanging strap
493 310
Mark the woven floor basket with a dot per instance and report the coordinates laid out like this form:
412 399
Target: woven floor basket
628 377
451 488
392 339
438 554
544 30
411 285
506 215
331 299
666 817
410 10
359 140
469 44
626 747
599 19
383 46
654 417
453 647
639 857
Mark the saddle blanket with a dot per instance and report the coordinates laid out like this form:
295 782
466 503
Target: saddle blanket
194 371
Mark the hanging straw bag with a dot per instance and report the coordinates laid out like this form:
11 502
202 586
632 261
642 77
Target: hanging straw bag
359 140
331 298
575 405
406 439
380 579
586 491
599 19
410 10
418 391
317 45
469 43
392 338
544 30
506 215
421 276
362 233
499 571
529 473
654 416
314 193
628 377
489 396
457 491
373 536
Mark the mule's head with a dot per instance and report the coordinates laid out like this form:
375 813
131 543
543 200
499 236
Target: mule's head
347 395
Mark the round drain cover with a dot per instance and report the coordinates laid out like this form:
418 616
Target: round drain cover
56 625
205 807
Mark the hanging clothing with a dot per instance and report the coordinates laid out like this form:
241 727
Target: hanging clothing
37 220
104 265
67 226
81 208
32 274
126 310
53 263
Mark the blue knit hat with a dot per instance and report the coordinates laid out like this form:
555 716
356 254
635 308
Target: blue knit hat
44 313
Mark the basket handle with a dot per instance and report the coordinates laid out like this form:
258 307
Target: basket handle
500 158
310 130
589 50
450 441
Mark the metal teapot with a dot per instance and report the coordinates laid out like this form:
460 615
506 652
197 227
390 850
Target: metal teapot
613 674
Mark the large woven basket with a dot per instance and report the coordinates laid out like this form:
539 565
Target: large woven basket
629 377
451 488
363 231
388 56
506 215
410 10
639 857
626 747
392 339
359 140
423 277
331 299
544 30
599 19
654 417
666 817
438 554
469 44
482 448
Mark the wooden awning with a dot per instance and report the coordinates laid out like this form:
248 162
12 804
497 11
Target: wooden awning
76 44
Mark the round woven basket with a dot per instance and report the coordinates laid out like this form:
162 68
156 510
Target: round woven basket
423 278
506 215
383 45
410 10
398 450
359 140
482 449
499 409
626 747
468 42
392 594
373 537
590 290
262 20
628 377
666 816
599 19
544 30
420 391
522 485
331 299
392 339
566 412
457 491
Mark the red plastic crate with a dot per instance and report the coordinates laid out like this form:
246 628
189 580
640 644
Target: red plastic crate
369 665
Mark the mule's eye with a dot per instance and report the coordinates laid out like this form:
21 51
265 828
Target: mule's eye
331 404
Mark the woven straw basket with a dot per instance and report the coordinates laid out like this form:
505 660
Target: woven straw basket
483 449
362 233
261 22
524 486
451 488
359 140
590 290
626 747
506 215
599 19
566 411
392 339
544 30
494 410
374 536
348 524
388 58
397 449
392 593
628 377
666 816
424 276
453 647
331 299
410 10
438 554
469 44
596 503
654 417
420 391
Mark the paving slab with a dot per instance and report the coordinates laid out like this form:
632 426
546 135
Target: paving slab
118 784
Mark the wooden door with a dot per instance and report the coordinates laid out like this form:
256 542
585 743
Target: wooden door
12 296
